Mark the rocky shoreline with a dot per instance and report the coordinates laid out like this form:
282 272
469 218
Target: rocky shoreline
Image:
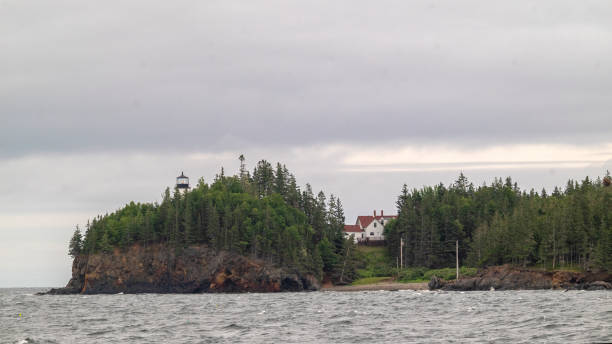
513 278
196 269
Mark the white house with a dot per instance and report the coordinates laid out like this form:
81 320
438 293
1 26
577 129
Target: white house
368 228
355 232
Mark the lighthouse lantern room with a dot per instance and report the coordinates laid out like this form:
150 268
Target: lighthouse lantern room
182 182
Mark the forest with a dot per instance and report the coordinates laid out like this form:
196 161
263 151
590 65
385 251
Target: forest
499 223
263 214
266 215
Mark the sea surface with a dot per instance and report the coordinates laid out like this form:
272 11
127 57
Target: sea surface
315 317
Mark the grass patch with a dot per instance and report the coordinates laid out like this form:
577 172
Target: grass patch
423 274
373 249
375 265
370 280
373 261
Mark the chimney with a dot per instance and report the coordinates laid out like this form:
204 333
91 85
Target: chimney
381 213
374 213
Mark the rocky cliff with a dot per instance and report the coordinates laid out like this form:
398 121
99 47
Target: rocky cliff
513 278
197 269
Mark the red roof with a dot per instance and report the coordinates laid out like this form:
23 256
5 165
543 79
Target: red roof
352 228
366 220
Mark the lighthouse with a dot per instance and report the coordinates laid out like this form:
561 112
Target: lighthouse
182 183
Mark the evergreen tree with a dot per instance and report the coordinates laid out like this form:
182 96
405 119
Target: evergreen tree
280 180
76 243
189 230
105 245
500 224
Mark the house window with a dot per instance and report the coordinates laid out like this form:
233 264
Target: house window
374 224
371 233
382 222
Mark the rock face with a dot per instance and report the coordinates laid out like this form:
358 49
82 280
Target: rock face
435 283
197 269
511 278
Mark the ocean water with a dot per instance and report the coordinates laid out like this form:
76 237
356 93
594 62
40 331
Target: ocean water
315 317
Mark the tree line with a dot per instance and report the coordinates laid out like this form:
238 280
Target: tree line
499 223
263 214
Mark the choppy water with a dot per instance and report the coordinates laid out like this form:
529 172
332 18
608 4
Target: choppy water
318 317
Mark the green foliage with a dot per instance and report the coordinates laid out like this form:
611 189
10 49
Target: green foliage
414 274
450 273
421 274
328 255
370 280
76 243
374 262
105 245
264 216
499 224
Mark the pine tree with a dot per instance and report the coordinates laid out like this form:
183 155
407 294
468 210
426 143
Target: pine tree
280 180
76 243
189 235
293 192
214 237
105 245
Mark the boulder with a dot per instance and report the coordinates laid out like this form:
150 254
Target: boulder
598 285
435 283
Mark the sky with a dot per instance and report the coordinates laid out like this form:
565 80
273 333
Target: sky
102 103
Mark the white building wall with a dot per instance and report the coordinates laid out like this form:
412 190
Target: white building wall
375 230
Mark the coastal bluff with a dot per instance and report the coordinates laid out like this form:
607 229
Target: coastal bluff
507 277
195 269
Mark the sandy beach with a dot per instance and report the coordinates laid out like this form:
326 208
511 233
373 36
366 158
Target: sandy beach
390 286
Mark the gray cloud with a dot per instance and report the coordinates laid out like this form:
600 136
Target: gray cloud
205 76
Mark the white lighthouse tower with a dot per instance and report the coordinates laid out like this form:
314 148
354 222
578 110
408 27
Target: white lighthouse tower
182 183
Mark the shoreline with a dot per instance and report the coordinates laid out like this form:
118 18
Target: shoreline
387 286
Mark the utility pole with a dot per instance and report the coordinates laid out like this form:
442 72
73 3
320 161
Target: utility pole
397 265
457 257
402 252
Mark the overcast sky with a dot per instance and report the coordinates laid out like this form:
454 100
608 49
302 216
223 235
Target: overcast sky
106 102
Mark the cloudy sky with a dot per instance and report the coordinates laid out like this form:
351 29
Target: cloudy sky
106 102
